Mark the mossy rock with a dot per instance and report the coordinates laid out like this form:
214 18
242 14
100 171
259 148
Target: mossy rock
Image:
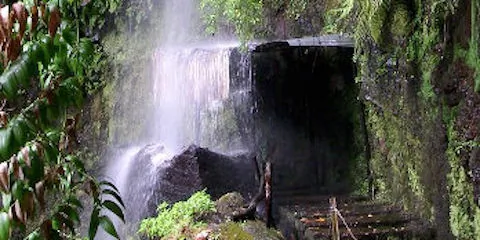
233 231
229 203
376 23
249 230
401 22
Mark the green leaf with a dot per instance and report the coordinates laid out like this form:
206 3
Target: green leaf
34 236
21 71
113 207
7 201
51 153
21 131
94 222
9 86
72 214
19 189
115 195
36 172
69 35
47 49
87 50
73 201
35 54
4 226
6 144
108 226
109 184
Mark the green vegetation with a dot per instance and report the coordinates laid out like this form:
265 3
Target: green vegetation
178 221
404 60
233 231
244 14
464 212
46 74
473 56
247 16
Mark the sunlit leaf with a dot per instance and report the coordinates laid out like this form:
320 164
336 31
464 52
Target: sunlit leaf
6 201
4 226
34 236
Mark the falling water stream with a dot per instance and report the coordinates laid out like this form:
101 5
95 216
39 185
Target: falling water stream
187 81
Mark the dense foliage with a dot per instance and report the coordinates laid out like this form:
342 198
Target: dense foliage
46 63
247 16
178 221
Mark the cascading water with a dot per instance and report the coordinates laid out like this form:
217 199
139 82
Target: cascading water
194 104
186 83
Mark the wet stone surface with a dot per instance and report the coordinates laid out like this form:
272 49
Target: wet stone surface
310 218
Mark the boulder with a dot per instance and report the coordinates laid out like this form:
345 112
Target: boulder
154 177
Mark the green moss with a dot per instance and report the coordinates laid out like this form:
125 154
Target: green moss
233 231
376 24
178 221
401 23
464 212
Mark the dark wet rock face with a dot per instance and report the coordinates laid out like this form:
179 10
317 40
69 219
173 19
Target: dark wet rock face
148 185
153 180
221 173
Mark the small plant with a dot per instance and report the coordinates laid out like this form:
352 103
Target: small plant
178 220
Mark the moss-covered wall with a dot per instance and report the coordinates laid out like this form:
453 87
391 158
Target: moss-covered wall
418 64
116 114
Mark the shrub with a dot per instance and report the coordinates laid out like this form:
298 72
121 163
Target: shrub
178 220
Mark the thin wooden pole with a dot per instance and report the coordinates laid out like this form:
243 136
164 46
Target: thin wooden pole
334 218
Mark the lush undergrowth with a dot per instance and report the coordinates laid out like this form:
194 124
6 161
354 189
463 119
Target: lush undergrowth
178 221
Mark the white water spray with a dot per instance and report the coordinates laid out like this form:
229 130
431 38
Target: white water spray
188 78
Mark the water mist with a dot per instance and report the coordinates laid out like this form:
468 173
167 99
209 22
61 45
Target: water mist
190 83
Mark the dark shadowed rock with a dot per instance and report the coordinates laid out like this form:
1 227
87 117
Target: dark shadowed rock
155 178
221 174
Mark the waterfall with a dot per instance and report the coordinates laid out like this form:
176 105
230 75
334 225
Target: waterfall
196 98
186 83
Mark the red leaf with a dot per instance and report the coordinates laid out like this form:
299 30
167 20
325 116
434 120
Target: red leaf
13 48
28 204
26 157
54 21
4 177
34 15
21 16
16 169
40 193
19 213
3 119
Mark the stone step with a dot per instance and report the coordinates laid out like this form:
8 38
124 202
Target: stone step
366 219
